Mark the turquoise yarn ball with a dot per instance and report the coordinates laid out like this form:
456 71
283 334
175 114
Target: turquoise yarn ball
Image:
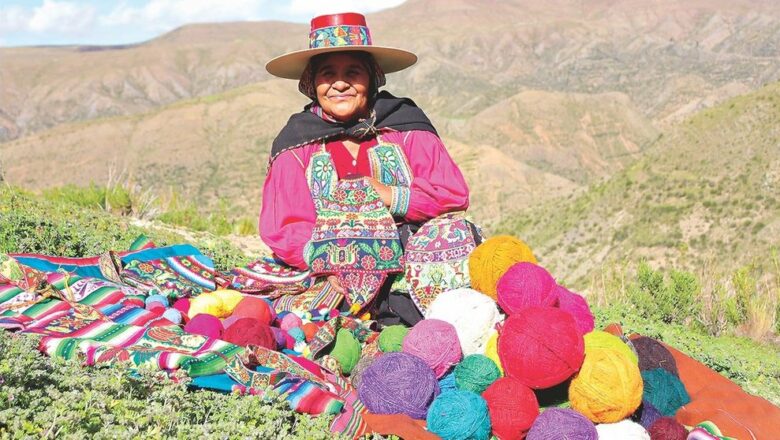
476 372
664 391
447 382
459 415
297 334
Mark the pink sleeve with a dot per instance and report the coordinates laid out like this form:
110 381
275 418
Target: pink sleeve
438 185
287 216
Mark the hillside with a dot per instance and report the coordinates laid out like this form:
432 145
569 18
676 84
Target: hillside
705 194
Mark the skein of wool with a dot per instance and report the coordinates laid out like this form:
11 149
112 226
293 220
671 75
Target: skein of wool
257 308
357 373
229 299
472 314
475 373
667 428
435 342
459 415
250 331
652 354
491 350
398 383
664 391
646 414
346 350
608 387
391 338
205 325
599 339
540 346
577 307
173 315
491 259
447 382
624 430
512 407
560 423
207 303
526 285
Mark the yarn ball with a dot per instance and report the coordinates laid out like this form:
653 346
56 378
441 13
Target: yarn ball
540 346
667 428
182 305
491 350
227 322
250 331
435 342
475 373
624 430
525 285
309 330
280 336
392 338
599 339
290 320
362 365
652 354
664 391
648 414
297 334
560 423
398 383
207 303
257 308
346 350
157 299
205 325
474 315
447 382
608 387
512 406
491 259
156 307
172 315
229 298
458 415
577 307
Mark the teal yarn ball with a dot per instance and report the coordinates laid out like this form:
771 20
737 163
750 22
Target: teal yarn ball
459 415
447 382
297 334
664 391
476 372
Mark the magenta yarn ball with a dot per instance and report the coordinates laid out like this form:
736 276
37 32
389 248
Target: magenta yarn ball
182 305
577 307
398 383
206 325
290 320
435 342
525 285
540 346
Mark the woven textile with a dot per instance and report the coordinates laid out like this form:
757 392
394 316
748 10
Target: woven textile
271 277
320 295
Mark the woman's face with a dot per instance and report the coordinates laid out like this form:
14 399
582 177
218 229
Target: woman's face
342 83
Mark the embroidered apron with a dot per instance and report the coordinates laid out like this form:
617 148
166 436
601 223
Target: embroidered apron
355 237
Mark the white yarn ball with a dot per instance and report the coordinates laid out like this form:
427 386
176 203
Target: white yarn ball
623 430
472 314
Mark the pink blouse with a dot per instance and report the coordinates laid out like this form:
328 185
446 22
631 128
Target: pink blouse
287 215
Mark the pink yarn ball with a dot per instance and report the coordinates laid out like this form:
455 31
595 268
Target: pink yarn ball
206 325
436 342
182 305
525 285
577 307
290 320
257 308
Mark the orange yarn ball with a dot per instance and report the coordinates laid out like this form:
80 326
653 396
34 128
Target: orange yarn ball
491 259
309 330
608 387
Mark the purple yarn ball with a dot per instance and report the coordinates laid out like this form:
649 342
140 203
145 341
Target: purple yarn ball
558 423
435 342
398 383
648 414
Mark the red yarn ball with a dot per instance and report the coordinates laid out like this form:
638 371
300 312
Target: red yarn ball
577 307
667 428
513 408
205 325
257 308
250 331
310 329
525 285
540 346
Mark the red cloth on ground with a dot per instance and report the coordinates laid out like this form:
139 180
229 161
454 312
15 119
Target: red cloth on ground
400 425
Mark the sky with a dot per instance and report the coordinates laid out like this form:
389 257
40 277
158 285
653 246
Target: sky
101 22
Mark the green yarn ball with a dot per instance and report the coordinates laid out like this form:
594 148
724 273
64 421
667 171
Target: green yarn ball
346 351
392 338
475 373
600 339
664 391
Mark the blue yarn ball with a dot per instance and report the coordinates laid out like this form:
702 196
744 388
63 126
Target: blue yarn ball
297 334
447 382
158 299
459 415
664 391
173 315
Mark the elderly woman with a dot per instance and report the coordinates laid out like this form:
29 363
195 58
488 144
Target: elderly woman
354 168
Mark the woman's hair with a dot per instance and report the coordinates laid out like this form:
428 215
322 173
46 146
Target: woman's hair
375 73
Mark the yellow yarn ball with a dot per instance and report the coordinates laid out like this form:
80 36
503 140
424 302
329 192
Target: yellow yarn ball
600 339
209 304
608 387
229 298
491 259
491 350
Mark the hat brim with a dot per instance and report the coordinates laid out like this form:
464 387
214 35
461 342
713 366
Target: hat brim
291 65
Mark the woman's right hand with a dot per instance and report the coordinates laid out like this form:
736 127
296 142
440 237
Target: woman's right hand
335 283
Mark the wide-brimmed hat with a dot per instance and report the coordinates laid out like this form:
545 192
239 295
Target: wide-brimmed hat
339 33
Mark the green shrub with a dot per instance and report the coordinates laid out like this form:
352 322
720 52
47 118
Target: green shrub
672 300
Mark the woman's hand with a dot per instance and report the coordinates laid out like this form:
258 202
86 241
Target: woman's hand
335 283
385 193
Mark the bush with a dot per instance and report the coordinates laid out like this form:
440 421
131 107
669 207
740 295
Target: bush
672 300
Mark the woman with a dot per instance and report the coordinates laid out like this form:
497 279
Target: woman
351 146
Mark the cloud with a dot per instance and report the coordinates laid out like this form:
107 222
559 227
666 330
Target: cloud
168 14
52 16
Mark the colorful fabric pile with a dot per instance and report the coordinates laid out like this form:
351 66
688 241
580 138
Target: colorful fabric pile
516 356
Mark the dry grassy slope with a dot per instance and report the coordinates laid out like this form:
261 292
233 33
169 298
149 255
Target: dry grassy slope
669 57
709 191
